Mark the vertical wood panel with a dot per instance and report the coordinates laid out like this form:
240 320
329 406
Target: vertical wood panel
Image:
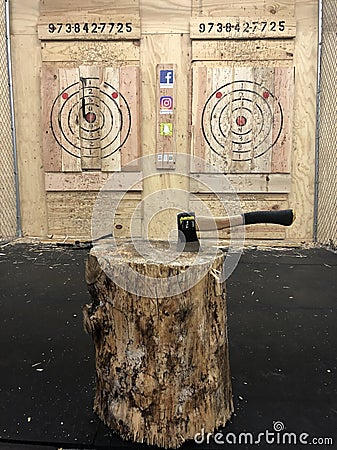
164 49
263 76
284 91
129 87
199 97
69 135
113 126
90 118
27 95
219 78
303 156
52 154
237 162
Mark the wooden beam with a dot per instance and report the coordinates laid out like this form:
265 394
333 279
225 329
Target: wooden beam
90 51
93 181
242 183
240 51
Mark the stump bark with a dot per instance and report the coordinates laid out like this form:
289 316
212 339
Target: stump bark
162 363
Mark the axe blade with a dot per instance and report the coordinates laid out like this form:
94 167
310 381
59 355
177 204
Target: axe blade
187 233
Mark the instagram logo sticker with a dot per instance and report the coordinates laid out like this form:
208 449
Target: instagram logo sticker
166 105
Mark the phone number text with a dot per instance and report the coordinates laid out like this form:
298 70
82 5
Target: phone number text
90 28
245 27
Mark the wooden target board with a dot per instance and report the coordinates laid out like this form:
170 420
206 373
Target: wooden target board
90 117
241 118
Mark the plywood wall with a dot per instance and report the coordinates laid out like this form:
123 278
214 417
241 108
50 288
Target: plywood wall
165 39
26 53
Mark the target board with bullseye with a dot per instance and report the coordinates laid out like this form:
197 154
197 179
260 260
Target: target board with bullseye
92 118
244 118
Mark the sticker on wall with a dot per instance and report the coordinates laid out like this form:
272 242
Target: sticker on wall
242 115
166 79
166 129
166 105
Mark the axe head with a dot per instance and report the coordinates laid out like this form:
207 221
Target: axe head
187 233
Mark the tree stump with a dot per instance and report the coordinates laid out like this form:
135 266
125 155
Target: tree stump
162 363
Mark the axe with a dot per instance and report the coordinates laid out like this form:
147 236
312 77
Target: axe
188 224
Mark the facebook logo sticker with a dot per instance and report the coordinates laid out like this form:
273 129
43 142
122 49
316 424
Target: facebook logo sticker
166 79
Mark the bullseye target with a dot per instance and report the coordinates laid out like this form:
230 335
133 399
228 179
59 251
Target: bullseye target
91 119
242 117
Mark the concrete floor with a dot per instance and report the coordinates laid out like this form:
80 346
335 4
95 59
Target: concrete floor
282 320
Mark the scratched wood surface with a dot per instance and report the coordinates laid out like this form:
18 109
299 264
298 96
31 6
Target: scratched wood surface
162 42
67 131
217 8
90 117
90 52
86 181
244 51
304 120
98 6
76 140
248 103
169 17
70 214
129 87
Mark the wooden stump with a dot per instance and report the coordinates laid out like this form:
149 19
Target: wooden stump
162 362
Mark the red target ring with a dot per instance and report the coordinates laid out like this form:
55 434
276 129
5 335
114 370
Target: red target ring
90 117
241 121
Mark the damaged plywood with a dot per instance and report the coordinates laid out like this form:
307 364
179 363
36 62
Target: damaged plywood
242 118
90 117
70 214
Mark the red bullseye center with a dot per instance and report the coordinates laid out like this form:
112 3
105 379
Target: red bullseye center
90 117
241 121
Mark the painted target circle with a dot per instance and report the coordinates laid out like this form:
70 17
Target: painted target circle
244 117
87 117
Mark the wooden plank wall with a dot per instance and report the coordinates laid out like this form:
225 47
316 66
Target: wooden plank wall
222 94
26 55
165 39
72 142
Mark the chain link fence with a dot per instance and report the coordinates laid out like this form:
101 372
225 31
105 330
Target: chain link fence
8 219
326 229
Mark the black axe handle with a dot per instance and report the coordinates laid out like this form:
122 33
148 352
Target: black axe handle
282 217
